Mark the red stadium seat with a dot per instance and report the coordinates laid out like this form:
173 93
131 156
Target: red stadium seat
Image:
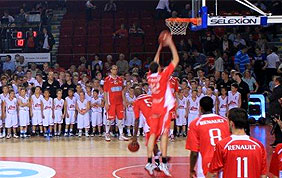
135 41
79 49
93 41
65 49
133 21
107 48
79 41
65 41
93 49
136 49
133 14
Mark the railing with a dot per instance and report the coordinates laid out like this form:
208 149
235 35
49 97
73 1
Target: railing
70 59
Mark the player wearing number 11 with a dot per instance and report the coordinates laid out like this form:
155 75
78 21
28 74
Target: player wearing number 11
239 156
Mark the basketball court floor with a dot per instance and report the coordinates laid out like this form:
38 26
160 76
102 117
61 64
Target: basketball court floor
93 157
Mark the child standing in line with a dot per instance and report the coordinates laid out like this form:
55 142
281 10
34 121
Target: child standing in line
70 112
47 113
36 110
129 121
24 105
4 96
58 112
222 104
182 114
234 97
210 93
83 107
11 114
193 107
97 104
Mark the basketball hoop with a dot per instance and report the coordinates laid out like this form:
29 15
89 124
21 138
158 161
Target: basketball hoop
178 26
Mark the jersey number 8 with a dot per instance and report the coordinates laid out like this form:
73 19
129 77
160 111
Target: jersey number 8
215 134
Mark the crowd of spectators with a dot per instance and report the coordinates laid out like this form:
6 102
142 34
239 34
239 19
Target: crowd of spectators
39 13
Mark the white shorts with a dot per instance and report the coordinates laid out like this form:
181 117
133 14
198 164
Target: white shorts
48 118
83 121
142 121
11 120
24 118
104 117
129 121
36 117
191 117
181 120
71 119
96 119
58 117
222 113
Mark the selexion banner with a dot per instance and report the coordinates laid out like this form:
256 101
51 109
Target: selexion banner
234 20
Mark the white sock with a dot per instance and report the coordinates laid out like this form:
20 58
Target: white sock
108 126
171 132
120 127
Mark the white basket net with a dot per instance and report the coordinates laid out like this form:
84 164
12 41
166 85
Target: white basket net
177 28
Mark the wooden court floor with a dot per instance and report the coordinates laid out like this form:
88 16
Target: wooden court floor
93 157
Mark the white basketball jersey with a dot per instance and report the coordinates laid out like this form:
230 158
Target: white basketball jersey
36 102
222 104
71 103
88 97
82 105
201 96
233 99
130 100
24 100
182 103
58 104
47 104
76 95
96 101
4 97
193 105
11 106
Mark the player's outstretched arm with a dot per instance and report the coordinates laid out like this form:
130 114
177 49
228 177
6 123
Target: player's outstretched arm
175 57
136 124
157 56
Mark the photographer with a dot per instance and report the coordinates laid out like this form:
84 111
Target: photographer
275 109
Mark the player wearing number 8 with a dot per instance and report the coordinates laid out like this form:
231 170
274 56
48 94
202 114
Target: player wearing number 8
204 132
239 156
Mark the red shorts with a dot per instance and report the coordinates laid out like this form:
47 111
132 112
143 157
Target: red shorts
160 123
172 113
116 111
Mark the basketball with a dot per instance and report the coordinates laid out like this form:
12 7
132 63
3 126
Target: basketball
164 35
133 147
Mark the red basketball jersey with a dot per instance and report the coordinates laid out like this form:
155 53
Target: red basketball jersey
161 93
143 103
114 87
173 82
276 161
204 132
239 156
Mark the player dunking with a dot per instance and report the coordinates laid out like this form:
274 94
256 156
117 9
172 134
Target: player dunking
162 100
114 102
239 155
204 132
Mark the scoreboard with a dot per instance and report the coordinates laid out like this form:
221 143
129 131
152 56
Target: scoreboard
14 39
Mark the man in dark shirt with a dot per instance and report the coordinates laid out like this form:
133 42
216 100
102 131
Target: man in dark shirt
51 84
243 89
224 82
67 85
